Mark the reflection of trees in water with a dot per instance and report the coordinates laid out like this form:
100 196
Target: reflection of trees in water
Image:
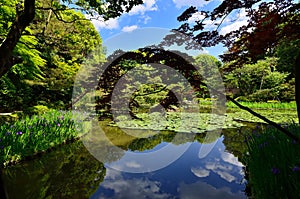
99 142
208 137
64 173
234 140
143 144
148 139
71 171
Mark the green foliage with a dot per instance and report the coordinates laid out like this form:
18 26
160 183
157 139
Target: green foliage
259 81
209 69
207 61
273 164
32 62
35 134
287 52
37 110
31 67
50 59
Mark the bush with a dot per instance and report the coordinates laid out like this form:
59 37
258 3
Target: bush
37 110
242 99
264 95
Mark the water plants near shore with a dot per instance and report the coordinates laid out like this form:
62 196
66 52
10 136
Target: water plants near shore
201 122
273 164
37 133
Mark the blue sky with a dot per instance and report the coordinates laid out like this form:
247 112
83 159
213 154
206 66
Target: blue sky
160 14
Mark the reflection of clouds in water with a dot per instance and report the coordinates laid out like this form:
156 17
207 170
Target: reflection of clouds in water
133 164
146 162
200 172
131 188
203 190
228 157
228 167
224 171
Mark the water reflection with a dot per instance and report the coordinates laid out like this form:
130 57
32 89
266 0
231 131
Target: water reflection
218 175
72 172
69 172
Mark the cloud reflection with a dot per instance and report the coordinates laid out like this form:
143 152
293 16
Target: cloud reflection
130 188
203 190
200 172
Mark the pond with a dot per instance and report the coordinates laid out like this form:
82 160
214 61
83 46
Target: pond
208 166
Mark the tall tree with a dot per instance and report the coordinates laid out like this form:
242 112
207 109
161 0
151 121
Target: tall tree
269 24
25 13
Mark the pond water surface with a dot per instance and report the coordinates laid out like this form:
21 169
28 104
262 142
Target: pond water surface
208 168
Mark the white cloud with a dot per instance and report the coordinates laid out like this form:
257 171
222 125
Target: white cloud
196 17
183 3
239 20
232 27
149 5
129 28
100 23
146 19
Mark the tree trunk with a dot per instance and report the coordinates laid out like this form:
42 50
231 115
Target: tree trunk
297 85
22 20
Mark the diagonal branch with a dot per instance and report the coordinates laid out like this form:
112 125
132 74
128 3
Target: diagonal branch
274 124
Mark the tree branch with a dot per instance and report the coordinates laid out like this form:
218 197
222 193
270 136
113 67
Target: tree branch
22 20
277 126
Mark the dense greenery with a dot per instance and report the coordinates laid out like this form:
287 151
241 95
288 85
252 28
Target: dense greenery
260 82
44 44
17 23
271 30
51 56
273 164
36 134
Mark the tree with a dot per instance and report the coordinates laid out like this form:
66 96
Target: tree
270 24
51 54
25 13
257 82
209 68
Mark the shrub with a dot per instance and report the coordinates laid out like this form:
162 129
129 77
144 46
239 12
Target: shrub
37 110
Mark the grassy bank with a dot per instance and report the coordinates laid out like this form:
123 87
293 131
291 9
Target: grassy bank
36 134
273 164
207 103
265 105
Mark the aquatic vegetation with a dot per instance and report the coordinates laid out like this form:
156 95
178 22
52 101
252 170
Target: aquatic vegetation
36 134
273 163
201 122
